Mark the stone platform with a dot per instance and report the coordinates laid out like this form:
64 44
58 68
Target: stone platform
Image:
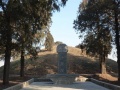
74 86
62 78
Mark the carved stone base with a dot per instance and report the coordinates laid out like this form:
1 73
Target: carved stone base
62 78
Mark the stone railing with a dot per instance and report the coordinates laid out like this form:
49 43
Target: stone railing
21 85
104 84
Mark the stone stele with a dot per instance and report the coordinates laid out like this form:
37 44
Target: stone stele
62 77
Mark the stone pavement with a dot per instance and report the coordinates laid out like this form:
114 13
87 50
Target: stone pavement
75 86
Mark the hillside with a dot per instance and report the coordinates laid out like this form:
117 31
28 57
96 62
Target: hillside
46 63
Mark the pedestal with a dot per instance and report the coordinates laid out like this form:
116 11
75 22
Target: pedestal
62 78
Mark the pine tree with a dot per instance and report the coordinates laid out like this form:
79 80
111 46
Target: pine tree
93 23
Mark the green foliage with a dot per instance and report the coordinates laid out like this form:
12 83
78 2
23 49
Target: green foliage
97 44
49 41
27 22
27 17
93 23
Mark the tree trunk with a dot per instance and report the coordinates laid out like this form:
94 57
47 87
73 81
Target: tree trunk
117 41
103 68
7 53
22 64
6 65
7 58
117 45
8 46
102 65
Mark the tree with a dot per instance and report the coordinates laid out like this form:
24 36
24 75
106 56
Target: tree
81 46
49 41
32 30
117 31
30 10
99 45
92 19
7 28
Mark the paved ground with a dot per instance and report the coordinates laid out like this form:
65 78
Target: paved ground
74 86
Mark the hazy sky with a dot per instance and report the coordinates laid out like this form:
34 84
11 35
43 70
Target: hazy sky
62 26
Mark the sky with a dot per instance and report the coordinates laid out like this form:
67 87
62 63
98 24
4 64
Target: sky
62 25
